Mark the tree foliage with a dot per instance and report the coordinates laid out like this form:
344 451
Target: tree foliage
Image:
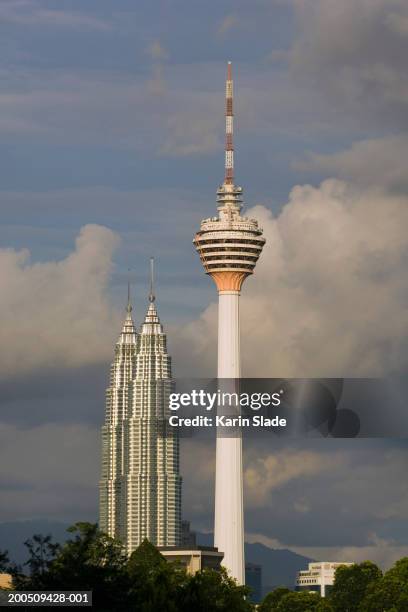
146 582
154 583
324 605
390 594
270 602
6 566
284 600
351 584
299 602
42 551
214 590
4 560
89 561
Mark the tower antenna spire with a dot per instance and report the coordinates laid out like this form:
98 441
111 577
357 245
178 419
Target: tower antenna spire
152 296
229 128
129 305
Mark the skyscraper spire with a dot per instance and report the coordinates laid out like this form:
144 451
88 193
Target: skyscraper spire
129 305
122 372
128 333
153 481
152 297
152 322
229 128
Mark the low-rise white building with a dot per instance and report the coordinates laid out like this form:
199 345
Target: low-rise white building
318 577
194 559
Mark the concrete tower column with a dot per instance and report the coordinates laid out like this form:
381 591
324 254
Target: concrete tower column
228 335
229 506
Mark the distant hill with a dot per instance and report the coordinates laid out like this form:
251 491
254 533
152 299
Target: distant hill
279 566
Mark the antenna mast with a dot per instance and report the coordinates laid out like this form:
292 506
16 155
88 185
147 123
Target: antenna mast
129 305
152 297
229 128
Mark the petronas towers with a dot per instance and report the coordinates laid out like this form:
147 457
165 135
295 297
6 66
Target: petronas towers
140 487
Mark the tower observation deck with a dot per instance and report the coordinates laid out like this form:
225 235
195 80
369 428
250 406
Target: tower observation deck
229 245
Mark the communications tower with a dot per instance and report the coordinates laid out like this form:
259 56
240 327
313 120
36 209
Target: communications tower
229 246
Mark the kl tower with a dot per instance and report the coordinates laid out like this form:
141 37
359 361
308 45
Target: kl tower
229 246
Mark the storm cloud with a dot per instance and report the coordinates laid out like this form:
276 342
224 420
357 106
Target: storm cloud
355 52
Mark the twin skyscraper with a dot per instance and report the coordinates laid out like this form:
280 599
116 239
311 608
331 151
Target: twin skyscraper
141 484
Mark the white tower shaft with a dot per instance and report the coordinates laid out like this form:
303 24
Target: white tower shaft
229 508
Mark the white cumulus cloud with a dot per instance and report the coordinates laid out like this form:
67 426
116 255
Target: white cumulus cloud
329 295
57 312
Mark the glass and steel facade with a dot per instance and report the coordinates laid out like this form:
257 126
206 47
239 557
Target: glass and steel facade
140 489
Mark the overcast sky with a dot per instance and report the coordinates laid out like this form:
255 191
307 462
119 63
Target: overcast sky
111 138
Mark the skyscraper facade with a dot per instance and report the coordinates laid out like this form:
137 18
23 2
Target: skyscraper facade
229 246
111 486
140 488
